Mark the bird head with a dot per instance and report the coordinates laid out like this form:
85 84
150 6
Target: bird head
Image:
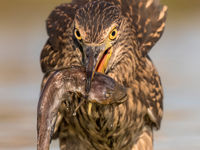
97 29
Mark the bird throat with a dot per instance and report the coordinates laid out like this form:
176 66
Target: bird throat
103 63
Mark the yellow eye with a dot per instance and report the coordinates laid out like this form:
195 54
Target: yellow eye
77 34
113 34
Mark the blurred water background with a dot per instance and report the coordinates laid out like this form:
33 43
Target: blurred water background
176 55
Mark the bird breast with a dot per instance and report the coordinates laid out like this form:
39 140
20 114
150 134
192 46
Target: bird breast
110 126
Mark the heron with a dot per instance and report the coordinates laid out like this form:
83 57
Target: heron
101 90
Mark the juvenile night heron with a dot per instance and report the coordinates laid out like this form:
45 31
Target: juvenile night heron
101 90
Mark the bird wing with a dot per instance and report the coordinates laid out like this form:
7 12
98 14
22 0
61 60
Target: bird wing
148 22
154 98
148 19
60 50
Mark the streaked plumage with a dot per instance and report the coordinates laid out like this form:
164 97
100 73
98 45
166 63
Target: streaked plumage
122 124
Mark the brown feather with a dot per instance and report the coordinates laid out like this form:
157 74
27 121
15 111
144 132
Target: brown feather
128 125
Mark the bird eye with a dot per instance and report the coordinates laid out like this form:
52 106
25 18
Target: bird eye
77 34
113 34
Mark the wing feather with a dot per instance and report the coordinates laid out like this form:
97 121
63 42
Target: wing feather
61 49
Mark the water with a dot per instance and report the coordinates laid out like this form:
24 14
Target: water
176 55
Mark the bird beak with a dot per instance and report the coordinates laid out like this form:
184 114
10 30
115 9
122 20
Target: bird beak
96 60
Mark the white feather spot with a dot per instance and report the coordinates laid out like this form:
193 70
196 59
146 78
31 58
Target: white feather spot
151 115
162 13
149 3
